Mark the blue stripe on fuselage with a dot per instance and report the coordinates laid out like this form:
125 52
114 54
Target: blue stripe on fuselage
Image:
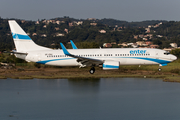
46 61
150 59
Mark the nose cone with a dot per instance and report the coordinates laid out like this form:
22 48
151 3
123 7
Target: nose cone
173 57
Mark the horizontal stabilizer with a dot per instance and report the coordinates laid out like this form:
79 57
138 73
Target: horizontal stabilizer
15 52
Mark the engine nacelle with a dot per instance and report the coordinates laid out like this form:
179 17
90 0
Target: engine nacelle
109 65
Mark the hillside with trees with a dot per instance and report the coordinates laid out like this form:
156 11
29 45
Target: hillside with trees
91 33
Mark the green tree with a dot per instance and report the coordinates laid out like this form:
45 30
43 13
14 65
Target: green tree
176 52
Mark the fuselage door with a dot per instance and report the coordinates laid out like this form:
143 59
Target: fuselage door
156 54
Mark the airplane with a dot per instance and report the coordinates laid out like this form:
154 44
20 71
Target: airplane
107 58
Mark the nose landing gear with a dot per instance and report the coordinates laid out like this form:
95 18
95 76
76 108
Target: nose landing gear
92 70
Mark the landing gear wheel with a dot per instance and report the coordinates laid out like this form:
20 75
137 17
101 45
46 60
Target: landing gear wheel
92 70
159 69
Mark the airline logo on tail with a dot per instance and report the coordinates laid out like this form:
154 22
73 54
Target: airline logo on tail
21 37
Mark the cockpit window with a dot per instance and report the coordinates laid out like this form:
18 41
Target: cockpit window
166 53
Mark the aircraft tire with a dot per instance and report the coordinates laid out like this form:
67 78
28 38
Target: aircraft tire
92 70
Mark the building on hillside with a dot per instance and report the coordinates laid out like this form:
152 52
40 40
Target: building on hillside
140 43
59 34
130 44
136 37
148 30
145 39
66 30
37 22
58 22
23 21
168 49
123 44
174 45
71 25
44 21
150 36
56 28
102 31
79 22
91 19
160 36
141 36
148 43
113 43
34 34
134 45
43 35
94 24
107 45
154 46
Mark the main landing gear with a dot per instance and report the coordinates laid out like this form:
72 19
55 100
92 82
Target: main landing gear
159 69
92 70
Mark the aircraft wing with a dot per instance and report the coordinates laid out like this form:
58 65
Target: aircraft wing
82 60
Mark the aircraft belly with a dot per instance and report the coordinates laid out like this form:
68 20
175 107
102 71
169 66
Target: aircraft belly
62 63
136 61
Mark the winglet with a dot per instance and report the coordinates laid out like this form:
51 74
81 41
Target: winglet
73 45
64 49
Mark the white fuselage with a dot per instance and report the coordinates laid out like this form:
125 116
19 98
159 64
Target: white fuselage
126 56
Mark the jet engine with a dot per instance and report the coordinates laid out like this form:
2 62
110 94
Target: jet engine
109 65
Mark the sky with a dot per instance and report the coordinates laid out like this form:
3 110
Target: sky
127 10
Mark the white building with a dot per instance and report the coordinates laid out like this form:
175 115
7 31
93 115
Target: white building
174 45
102 31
